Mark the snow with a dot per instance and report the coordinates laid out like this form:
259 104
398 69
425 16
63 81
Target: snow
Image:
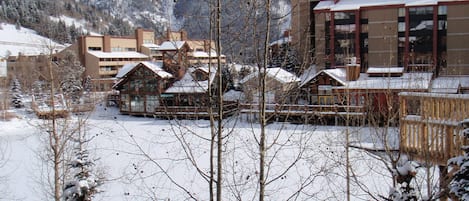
338 74
131 175
110 55
445 85
414 81
171 45
279 74
385 70
188 85
24 41
69 21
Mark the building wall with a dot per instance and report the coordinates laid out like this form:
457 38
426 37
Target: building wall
300 28
382 37
93 41
123 44
457 40
320 40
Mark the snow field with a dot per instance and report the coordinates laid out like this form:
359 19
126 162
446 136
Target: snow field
154 159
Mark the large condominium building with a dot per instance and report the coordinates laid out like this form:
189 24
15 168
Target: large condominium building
418 35
104 56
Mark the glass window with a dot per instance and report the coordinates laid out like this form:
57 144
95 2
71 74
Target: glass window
401 12
152 103
442 10
124 102
136 103
401 26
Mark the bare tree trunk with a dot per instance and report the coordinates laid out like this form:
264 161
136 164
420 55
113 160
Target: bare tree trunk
220 103
211 100
262 147
54 137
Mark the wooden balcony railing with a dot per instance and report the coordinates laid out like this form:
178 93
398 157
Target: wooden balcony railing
429 125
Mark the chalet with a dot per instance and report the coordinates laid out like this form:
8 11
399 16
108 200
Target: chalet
280 86
376 89
175 57
140 87
192 89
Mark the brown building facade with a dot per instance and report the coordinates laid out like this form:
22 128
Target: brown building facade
431 36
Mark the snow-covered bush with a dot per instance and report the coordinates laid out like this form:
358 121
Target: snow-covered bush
404 173
459 185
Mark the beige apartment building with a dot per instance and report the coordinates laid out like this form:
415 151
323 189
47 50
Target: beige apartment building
430 36
104 56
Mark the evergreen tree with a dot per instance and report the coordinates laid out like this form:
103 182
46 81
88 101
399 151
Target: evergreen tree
70 73
85 182
16 94
459 185
404 174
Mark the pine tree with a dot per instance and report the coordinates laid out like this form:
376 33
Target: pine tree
16 94
404 174
85 182
459 185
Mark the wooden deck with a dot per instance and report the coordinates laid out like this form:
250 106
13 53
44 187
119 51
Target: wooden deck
306 113
193 112
430 128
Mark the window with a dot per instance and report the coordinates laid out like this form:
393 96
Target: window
94 48
124 102
401 12
442 10
137 103
152 103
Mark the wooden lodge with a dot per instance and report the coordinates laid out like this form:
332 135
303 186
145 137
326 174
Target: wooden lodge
430 125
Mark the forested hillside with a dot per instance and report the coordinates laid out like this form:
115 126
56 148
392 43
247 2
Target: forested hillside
63 21
48 17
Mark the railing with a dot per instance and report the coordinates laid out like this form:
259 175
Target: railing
429 125
191 112
292 109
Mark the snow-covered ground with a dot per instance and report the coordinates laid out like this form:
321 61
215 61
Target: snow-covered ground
154 159
25 41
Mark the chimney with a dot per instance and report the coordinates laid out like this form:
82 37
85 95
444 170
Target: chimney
107 43
183 35
353 70
139 38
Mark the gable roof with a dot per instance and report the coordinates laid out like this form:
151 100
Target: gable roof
338 74
189 85
278 74
408 81
155 67
448 85
171 45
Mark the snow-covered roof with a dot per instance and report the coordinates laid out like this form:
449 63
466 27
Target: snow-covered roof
151 46
338 74
155 67
188 85
279 74
130 54
204 54
343 5
385 70
445 85
171 45
409 81
125 69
